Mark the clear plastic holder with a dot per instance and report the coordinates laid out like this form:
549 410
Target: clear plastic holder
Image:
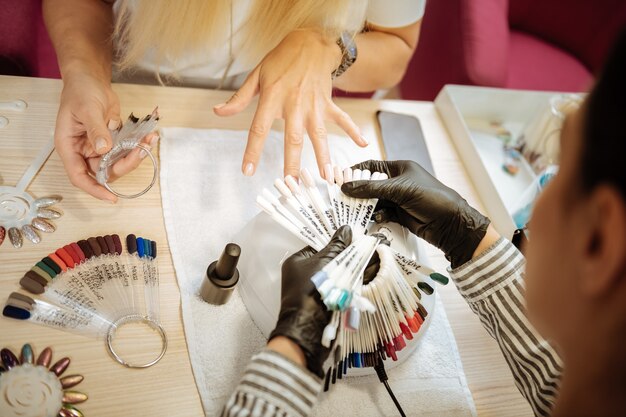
20 212
99 296
125 139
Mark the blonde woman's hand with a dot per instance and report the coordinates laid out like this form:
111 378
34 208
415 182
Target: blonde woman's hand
88 109
294 83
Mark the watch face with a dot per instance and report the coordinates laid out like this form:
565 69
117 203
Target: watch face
349 46
351 51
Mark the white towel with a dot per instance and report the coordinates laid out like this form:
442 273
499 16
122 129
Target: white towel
206 201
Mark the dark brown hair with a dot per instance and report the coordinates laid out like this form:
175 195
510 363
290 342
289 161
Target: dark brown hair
604 147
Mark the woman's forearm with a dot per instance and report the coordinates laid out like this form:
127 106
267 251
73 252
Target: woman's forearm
81 31
382 58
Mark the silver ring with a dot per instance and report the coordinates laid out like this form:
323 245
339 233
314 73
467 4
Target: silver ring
135 318
154 176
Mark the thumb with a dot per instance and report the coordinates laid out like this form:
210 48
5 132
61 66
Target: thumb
242 97
338 243
97 131
368 189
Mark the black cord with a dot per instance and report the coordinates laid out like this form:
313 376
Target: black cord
382 376
395 400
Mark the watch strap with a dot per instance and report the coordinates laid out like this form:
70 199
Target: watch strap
348 53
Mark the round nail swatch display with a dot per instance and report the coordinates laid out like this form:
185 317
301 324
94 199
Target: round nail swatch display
92 287
34 388
23 218
371 320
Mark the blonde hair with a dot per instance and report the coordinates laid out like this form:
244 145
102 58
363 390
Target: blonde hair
171 29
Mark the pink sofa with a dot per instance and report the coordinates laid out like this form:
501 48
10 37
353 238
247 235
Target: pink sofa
25 47
525 44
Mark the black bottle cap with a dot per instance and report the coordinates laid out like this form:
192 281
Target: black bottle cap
223 272
227 264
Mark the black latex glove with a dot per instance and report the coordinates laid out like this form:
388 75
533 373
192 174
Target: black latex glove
429 209
303 315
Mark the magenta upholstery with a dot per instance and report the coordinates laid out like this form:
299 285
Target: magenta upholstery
483 24
25 48
526 44
559 70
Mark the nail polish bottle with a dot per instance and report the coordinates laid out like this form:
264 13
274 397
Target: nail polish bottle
221 276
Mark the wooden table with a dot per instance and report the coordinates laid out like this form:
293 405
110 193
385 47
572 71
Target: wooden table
169 388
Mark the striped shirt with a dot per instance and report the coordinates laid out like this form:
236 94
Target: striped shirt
492 284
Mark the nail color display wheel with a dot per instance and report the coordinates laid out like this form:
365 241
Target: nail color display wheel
266 246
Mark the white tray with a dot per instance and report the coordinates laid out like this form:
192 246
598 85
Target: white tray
482 152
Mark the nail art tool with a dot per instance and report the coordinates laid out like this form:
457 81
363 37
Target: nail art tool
93 287
30 387
22 216
126 138
374 320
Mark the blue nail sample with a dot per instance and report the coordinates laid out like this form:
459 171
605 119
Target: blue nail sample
140 247
15 313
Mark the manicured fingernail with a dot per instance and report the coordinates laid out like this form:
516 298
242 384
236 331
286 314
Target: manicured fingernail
101 144
248 170
113 124
108 201
364 140
143 152
154 141
219 106
329 175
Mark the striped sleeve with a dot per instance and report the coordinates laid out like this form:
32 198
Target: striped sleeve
273 385
493 285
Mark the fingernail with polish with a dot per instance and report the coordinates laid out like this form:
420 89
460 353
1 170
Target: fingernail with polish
248 170
101 144
329 175
219 106
113 124
364 140
154 141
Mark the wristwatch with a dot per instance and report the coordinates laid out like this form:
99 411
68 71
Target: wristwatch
348 51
